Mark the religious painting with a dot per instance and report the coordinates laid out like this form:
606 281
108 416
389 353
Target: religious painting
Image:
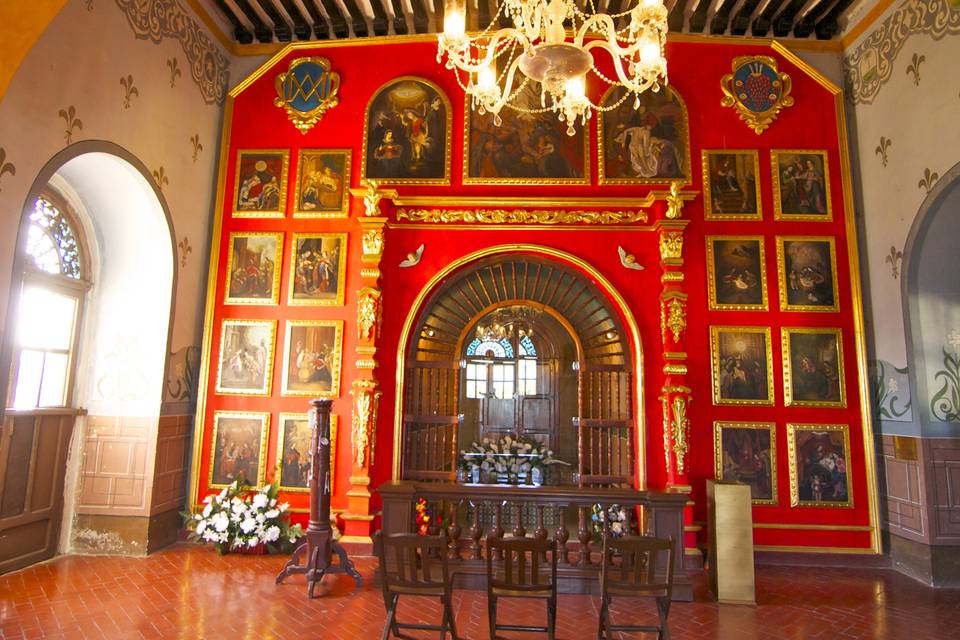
813 367
736 274
260 187
246 357
253 268
322 183
525 148
239 448
311 365
318 268
801 185
293 450
741 365
643 140
747 452
807 273
731 190
820 473
406 135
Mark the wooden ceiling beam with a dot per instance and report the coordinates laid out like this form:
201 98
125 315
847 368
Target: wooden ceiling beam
281 29
337 22
357 18
321 28
380 23
829 25
240 31
261 31
301 28
783 23
741 19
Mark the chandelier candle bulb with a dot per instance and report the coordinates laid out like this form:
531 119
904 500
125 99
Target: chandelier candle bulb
454 24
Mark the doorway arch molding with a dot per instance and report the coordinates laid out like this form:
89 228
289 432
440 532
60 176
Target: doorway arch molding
584 267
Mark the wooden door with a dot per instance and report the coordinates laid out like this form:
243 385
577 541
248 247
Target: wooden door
537 412
431 421
33 463
606 425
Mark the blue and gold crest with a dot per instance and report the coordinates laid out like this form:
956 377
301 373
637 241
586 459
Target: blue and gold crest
757 90
307 90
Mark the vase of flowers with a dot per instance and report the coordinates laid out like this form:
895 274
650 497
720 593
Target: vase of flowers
507 460
244 520
618 519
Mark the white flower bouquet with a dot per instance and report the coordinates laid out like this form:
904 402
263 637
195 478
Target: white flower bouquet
240 518
508 457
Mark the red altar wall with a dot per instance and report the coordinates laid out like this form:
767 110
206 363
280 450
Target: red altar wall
253 122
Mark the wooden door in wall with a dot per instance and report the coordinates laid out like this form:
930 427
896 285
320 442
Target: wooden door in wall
529 409
606 424
33 462
431 420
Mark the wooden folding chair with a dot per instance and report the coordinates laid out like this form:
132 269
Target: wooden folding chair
414 565
637 567
528 570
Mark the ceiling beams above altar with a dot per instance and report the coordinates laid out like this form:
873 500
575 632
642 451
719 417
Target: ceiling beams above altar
269 21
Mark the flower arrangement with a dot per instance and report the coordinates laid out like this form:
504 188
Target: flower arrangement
425 517
507 456
620 520
240 518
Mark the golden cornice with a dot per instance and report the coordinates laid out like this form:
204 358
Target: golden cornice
522 216
672 276
675 369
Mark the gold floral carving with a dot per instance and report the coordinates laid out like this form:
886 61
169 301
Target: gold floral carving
522 216
373 242
368 313
734 95
675 369
371 198
365 401
674 201
676 425
671 246
673 315
308 81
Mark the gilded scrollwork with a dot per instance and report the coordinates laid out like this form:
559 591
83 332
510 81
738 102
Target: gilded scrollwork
368 313
675 401
366 397
671 246
673 316
372 242
523 216
674 202
371 198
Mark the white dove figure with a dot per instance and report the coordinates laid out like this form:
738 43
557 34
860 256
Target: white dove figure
413 258
628 260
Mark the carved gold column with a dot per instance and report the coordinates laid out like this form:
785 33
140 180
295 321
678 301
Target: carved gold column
365 391
675 396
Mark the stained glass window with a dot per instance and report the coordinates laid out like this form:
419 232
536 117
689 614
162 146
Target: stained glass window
490 348
527 348
51 243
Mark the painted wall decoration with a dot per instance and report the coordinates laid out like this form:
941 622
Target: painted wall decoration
747 452
736 273
807 273
757 89
406 135
293 451
890 392
245 363
322 183
647 144
318 267
731 190
239 447
813 367
311 364
801 190
253 268
306 90
525 148
261 183
820 474
945 402
741 365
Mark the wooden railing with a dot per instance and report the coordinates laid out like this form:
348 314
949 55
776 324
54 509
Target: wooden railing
469 515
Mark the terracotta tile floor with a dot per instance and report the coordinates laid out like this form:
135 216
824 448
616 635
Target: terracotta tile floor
189 592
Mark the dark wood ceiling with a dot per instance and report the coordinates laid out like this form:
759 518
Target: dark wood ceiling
267 21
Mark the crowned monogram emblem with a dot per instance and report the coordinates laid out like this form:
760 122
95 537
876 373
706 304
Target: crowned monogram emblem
307 90
757 90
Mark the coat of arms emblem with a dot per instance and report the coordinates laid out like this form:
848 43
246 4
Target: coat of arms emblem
306 90
757 90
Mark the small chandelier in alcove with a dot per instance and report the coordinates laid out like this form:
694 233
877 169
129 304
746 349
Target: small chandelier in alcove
505 323
536 45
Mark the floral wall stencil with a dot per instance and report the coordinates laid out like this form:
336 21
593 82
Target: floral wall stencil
197 146
914 68
185 250
6 167
890 392
882 150
130 90
928 180
157 19
160 175
870 64
182 369
894 259
69 116
945 403
175 72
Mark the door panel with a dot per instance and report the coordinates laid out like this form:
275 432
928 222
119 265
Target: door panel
431 423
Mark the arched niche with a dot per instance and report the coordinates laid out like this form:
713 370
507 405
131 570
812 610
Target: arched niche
931 295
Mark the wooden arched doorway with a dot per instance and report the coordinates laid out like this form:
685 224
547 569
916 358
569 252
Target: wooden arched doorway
575 391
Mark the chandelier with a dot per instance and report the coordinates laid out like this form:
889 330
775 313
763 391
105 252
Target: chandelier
506 322
537 45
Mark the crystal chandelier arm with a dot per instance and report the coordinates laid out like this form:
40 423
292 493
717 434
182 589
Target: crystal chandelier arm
459 52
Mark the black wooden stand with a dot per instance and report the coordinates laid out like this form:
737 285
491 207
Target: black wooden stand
320 546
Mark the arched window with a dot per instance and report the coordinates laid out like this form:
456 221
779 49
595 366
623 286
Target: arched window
50 307
492 369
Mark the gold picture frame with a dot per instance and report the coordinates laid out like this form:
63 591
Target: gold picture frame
801 262
283 440
719 183
742 459
312 358
406 103
247 432
245 360
736 273
810 377
328 193
254 167
312 269
741 370
799 166
244 280
612 128
820 476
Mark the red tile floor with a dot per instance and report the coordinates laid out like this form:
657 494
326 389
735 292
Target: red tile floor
188 591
